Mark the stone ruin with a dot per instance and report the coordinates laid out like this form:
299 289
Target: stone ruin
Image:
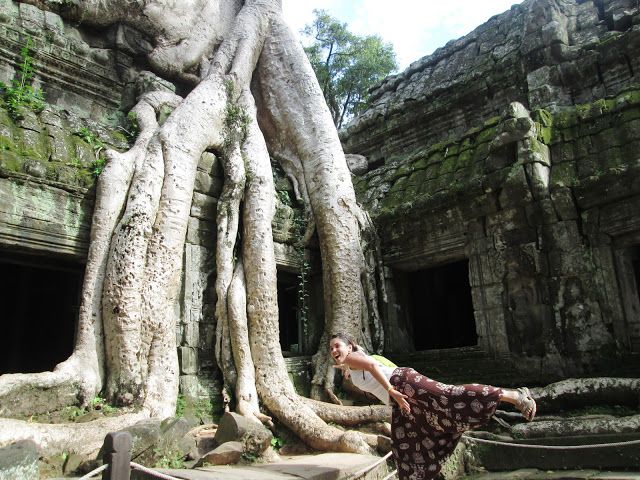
502 173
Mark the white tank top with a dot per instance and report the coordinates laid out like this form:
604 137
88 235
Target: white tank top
365 381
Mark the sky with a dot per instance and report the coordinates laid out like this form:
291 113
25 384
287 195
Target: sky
414 27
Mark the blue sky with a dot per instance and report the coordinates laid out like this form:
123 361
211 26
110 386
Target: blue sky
414 27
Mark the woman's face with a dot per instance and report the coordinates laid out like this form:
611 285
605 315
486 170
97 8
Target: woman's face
339 350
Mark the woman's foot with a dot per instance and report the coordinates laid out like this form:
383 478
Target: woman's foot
526 404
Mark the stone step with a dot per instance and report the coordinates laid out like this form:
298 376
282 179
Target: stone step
501 457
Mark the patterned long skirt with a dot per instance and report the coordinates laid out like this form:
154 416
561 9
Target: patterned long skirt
423 439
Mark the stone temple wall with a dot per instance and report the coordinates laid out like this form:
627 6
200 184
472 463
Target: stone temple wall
516 148
49 163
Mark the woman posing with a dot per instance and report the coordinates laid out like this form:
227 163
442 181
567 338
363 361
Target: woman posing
428 417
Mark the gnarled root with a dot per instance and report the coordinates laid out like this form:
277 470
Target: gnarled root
581 392
82 438
349 416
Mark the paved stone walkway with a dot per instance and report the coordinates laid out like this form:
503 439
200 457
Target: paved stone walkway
325 466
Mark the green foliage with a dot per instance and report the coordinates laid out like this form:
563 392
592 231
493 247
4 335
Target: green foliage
71 413
277 443
91 138
168 458
97 166
181 404
20 94
284 197
97 145
99 403
346 65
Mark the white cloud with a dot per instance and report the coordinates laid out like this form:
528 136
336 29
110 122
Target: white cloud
414 27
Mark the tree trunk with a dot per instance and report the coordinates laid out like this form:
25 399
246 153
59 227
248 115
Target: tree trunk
126 343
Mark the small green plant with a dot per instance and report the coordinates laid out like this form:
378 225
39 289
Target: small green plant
99 403
277 443
97 166
284 197
73 412
168 458
91 138
20 94
181 404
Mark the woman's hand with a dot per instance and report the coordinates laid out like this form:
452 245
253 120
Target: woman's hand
344 368
400 400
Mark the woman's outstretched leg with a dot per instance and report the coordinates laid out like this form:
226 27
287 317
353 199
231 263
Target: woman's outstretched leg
522 400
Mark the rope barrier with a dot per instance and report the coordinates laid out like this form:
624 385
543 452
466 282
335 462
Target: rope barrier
552 447
367 469
142 468
94 472
392 474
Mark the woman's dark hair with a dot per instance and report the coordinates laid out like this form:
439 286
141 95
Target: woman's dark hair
346 339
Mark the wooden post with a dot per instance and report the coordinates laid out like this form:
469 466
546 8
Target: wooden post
117 453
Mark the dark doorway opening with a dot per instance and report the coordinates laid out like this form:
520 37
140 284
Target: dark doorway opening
635 262
288 313
441 307
39 313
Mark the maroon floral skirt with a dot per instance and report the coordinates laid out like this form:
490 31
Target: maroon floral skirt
423 439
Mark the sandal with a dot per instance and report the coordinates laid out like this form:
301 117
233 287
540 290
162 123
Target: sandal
526 404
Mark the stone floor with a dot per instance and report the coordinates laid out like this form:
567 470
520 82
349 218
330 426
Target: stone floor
325 466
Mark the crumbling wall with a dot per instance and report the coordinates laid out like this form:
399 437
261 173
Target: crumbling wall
544 205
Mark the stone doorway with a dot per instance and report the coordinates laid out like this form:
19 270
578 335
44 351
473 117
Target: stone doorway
440 307
628 267
39 312
290 340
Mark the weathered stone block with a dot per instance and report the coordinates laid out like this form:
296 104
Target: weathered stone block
564 203
201 232
204 207
191 334
19 461
210 164
188 357
207 184
226 454
62 145
487 296
233 427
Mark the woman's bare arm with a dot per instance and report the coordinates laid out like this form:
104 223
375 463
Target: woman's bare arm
360 361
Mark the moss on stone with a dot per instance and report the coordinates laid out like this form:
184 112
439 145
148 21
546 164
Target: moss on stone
10 161
488 134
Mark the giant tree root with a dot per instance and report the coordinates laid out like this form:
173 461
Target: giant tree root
81 438
582 392
349 416
577 426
